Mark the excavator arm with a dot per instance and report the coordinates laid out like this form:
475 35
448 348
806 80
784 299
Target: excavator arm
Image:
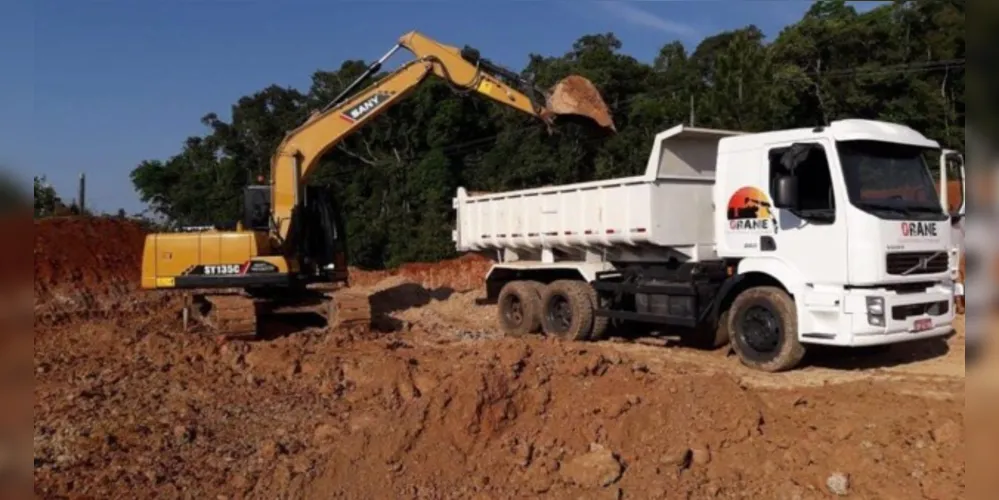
302 148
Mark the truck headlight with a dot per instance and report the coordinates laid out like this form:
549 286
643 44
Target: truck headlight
876 311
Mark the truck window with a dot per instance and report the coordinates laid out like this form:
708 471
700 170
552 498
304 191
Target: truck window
891 180
818 202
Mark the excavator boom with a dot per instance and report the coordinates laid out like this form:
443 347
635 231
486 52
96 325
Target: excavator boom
303 147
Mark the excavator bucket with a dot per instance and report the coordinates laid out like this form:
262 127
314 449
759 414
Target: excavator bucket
575 95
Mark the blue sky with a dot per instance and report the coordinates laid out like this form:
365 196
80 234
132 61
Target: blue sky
98 86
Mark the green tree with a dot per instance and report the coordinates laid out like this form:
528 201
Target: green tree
47 202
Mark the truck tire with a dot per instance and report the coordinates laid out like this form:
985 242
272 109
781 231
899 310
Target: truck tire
519 308
763 325
567 310
710 339
601 324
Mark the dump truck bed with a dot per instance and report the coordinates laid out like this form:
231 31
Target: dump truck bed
670 205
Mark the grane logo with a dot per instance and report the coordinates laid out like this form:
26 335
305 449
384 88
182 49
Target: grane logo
911 229
366 106
749 209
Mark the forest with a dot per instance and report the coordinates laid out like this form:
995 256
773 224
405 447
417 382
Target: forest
903 62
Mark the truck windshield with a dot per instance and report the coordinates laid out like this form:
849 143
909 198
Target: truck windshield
889 180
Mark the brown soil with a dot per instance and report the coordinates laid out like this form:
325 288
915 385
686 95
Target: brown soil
462 274
80 257
575 95
445 407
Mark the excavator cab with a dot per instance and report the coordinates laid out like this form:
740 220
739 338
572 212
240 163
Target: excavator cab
257 208
317 234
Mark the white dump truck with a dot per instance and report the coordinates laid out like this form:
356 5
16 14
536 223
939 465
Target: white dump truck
771 242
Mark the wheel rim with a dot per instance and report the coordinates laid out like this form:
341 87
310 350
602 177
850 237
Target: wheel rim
559 314
513 310
761 330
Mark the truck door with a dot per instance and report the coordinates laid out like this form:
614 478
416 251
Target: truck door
952 200
813 238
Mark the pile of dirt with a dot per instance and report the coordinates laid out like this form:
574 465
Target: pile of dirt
80 261
457 275
93 254
428 413
443 406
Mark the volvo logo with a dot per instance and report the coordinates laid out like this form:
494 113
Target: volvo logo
922 265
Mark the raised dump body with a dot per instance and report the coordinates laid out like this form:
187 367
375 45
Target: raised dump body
669 206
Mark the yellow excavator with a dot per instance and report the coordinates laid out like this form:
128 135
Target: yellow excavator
288 254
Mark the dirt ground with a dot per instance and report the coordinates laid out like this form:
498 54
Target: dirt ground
128 405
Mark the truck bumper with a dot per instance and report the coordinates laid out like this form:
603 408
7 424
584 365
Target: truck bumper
907 317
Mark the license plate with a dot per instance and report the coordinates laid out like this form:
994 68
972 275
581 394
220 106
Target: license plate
922 324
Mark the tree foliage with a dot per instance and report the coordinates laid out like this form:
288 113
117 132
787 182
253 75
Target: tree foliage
47 201
902 62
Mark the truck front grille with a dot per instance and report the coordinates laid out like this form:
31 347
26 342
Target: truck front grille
916 262
900 313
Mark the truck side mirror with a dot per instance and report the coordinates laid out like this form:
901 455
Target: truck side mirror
786 192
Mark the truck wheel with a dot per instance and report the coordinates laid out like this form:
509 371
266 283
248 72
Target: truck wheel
567 310
601 324
708 338
520 308
763 325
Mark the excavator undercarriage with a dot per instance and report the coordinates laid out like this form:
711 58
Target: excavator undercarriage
238 313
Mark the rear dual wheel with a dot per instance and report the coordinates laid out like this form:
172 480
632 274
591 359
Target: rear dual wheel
564 309
569 311
520 308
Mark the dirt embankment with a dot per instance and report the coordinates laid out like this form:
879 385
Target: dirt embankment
80 262
445 407
462 274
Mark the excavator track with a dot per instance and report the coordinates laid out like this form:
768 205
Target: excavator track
349 309
227 314
239 315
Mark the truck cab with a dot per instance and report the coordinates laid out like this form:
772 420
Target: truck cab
850 225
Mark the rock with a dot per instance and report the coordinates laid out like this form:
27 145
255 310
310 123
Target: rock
538 479
677 457
324 433
838 484
700 456
949 433
268 450
791 491
183 434
596 469
843 431
941 490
